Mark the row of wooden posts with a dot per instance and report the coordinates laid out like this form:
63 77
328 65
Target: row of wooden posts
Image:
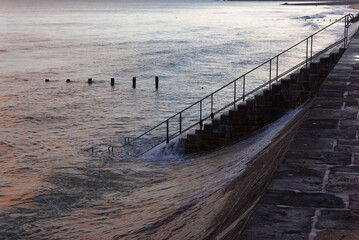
89 81
313 19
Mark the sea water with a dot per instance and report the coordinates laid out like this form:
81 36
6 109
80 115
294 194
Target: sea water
50 187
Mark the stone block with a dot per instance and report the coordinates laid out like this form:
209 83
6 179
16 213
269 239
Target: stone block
294 77
314 77
251 104
225 118
285 83
207 127
233 115
320 123
306 144
314 67
242 108
304 74
338 220
298 177
302 199
333 113
191 139
259 100
324 61
318 158
323 73
294 87
276 88
342 179
273 222
327 103
337 234
267 93
307 86
341 51
344 124
334 56
346 145
354 202
216 123
318 133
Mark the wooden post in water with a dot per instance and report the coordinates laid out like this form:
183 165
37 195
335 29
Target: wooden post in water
112 81
156 82
134 82
89 81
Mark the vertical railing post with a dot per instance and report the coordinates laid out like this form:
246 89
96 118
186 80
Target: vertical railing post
270 72
346 37
234 95
306 54
200 115
311 48
276 75
180 123
345 31
167 135
244 88
212 114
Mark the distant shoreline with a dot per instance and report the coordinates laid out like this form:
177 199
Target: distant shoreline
352 4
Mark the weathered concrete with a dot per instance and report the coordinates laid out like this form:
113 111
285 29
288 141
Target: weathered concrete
315 192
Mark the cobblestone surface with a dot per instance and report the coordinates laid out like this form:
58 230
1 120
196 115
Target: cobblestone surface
315 192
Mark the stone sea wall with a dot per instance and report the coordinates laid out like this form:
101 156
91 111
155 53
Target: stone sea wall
224 214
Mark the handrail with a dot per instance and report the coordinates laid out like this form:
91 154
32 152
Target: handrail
347 18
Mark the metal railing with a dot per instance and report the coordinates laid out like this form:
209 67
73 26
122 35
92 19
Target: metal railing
176 121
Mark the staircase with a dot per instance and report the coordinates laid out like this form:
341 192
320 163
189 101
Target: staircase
264 108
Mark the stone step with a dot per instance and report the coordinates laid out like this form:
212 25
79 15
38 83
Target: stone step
224 118
314 67
304 73
341 51
215 123
259 100
242 108
296 87
191 139
251 104
325 61
294 77
276 88
285 83
314 78
334 55
208 127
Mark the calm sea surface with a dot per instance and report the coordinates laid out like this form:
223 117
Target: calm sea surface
49 186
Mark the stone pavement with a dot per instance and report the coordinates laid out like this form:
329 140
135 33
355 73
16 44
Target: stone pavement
315 192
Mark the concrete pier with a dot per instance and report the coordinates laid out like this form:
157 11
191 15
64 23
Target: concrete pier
315 192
